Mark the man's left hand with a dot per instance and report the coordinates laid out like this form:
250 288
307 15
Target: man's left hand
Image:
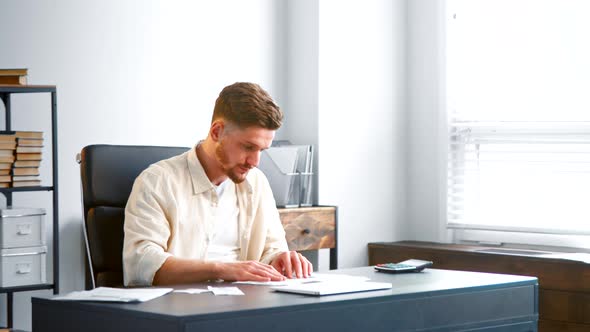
292 264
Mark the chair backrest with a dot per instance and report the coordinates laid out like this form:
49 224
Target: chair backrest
108 173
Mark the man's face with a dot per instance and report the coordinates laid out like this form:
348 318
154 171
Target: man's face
238 150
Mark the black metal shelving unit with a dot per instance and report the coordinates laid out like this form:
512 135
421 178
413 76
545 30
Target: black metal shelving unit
5 94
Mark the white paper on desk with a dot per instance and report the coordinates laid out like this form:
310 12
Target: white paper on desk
315 277
285 282
338 277
336 287
225 290
192 291
108 294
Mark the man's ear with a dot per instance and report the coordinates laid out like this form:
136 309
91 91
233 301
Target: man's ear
216 130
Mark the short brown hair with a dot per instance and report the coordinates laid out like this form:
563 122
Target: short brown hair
246 105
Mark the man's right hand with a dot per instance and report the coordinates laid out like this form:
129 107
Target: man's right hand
177 271
248 271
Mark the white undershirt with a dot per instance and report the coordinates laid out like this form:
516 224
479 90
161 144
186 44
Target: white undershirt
224 244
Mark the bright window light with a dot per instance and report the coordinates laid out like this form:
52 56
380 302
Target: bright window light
518 73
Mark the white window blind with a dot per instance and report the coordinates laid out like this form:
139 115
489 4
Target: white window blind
518 88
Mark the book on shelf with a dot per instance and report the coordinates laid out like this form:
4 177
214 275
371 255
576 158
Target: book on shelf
6 145
30 141
5 153
4 184
29 149
25 171
28 134
4 172
5 178
6 159
5 165
31 183
28 156
14 71
7 136
19 178
13 80
17 76
24 163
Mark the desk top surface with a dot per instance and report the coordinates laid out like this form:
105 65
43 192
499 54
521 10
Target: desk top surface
430 282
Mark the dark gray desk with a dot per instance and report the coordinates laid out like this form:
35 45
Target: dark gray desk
434 300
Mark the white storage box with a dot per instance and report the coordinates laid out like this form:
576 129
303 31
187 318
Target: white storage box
23 266
22 227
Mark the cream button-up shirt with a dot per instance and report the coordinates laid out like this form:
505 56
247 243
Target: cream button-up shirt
169 213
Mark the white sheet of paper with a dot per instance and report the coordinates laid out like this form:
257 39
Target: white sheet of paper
315 277
338 277
192 291
108 294
337 287
225 290
286 282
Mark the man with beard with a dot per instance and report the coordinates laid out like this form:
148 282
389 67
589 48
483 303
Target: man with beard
209 214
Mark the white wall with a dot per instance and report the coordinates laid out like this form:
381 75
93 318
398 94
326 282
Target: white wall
345 81
148 72
426 161
362 121
130 72
301 79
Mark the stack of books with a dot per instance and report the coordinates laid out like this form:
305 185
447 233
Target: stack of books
7 150
29 150
13 76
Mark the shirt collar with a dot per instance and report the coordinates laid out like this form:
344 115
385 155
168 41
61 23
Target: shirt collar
199 178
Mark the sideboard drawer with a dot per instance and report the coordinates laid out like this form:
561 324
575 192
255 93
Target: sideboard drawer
309 228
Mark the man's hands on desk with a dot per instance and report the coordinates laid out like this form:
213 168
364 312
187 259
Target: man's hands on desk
288 264
292 265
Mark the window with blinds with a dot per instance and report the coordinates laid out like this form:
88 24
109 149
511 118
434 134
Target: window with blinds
518 76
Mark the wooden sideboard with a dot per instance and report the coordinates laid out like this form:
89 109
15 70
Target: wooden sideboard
564 285
312 228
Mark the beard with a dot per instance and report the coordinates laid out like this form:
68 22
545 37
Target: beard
228 169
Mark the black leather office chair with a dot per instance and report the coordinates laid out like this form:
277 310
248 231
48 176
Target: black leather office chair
108 173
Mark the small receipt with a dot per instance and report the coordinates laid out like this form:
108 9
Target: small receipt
225 290
214 290
192 291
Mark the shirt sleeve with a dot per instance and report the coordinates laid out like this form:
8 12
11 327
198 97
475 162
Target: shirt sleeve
275 235
147 230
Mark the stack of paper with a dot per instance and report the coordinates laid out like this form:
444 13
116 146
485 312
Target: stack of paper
107 294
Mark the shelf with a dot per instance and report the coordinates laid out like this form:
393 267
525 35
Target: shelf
17 189
6 91
5 88
25 288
